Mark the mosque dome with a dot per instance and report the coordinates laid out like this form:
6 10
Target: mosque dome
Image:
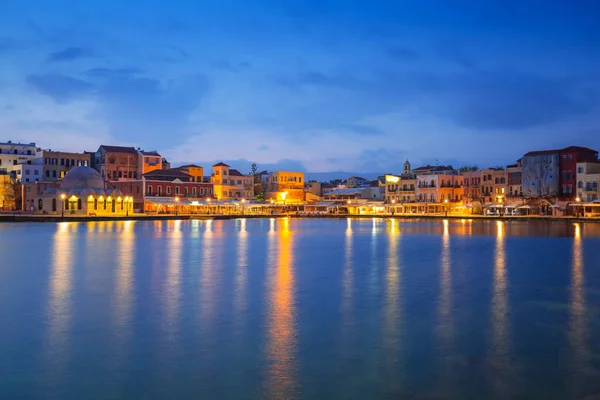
82 178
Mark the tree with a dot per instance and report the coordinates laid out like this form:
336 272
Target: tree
7 193
472 168
254 169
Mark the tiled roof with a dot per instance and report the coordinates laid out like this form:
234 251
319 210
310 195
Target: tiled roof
221 164
565 150
119 149
168 173
235 172
189 166
151 153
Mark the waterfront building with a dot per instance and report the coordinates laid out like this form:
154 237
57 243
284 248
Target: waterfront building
116 163
161 187
514 181
230 184
493 185
82 192
195 171
438 185
29 171
552 174
56 164
401 188
472 187
343 195
588 181
149 161
13 154
285 187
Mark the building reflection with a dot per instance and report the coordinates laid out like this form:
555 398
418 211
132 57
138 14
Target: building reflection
59 299
445 320
281 380
500 357
172 284
123 299
347 281
578 330
393 309
242 270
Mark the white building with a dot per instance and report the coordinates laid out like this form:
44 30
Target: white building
13 154
588 181
29 171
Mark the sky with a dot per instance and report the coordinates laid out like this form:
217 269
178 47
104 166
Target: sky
302 84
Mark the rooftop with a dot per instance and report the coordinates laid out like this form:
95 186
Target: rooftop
235 172
221 164
151 153
168 173
557 151
118 149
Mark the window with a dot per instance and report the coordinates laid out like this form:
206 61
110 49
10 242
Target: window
27 172
149 190
41 204
36 172
53 204
176 189
62 161
54 174
159 189
62 174
95 204
580 184
185 190
194 191
168 189
79 203
580 170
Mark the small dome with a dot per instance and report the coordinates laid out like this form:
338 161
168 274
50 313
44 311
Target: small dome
82 178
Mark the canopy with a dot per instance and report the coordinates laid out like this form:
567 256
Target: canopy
526 206
555 206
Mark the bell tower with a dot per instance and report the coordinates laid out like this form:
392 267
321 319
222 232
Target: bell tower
407 169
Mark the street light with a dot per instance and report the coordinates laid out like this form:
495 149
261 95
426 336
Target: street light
128 200
208 202
176 205
243 201
446 206
284 196
62 208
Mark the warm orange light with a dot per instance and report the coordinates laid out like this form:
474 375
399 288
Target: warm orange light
63 196
578 199
176 198
90 198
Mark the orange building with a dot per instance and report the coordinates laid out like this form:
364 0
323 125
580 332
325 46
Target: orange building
149 161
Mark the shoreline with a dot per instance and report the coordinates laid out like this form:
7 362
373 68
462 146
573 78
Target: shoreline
24 218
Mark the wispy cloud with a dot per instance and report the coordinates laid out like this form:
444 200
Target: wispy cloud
70 54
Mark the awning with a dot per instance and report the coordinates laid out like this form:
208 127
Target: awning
555 206
527 207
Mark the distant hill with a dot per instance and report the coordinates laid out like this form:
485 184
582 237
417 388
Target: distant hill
328 176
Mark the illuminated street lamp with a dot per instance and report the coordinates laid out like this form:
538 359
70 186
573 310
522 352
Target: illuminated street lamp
578 201
208 201
62 208
243 201
446 206
284 197
176 205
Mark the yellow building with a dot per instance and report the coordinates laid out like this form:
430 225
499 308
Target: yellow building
230 184
149 161
400 189
285 187
195 171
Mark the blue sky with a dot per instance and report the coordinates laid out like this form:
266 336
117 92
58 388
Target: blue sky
313 85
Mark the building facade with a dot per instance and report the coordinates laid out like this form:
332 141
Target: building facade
439 187
514 181
285 187
400 189
56 164
553 173
472 186
196 172
29 171
115 163
588 181
230 184
149 161
13 154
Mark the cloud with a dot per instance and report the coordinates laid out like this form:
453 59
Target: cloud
453 53
381 160
110 72
403 53
70 54
7 44
226 65
59 87
264 147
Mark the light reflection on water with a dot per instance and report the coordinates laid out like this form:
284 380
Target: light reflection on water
193 307
281 342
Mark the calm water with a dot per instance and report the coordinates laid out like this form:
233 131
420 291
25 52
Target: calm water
306 309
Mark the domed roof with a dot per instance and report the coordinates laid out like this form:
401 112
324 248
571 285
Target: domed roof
82 178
